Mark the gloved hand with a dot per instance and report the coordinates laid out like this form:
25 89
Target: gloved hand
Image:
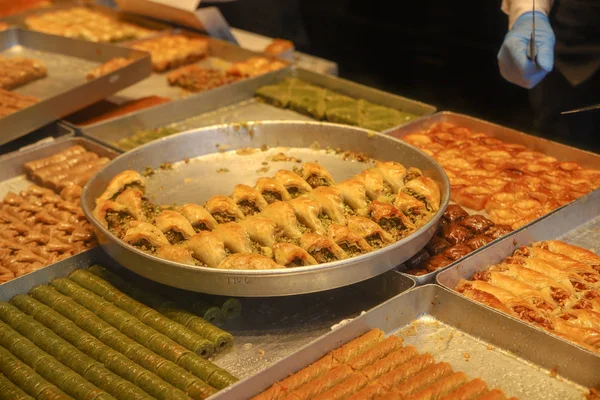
514 64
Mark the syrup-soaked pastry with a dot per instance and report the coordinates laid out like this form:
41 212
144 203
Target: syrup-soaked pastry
412 173
370 231
350 242
518 306
260 229
248 199
132 199
282 213
355 196
307 212
589 338
555 271
272 190
471 390
476 223
198 216
497 231
140 232
331 201
436 262
223 209
375 187
425 189
57 158
120 182
466 288
411 206
437 245
542 300
583 318
322 249
420 381
561 289
208 248
174 225
104 207
290 255
393 174
292 182
390 218
574 252
457 251
456 234
177 253
248 261
235 237
589 272
316 175
478 241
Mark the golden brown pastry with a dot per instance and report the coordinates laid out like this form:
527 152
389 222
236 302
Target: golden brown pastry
248 261
307 211
199 218
235 237
140 232
425 189
174 225
223 209
248 199
332 204
370 231
132 199
120 182
272 190
283 215
316 175
393 174
322 249
208 248
375 186
292 182
355 195
260 229
290 255
350 242
177 253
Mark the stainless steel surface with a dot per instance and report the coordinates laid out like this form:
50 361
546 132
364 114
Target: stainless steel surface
269 329
594 107
198 179
577 223
482 343
236 103
47 134
65 89
560 151
536 143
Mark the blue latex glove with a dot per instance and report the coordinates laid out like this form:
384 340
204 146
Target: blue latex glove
514 64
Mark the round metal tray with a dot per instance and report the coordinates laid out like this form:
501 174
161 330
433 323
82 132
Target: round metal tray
205 164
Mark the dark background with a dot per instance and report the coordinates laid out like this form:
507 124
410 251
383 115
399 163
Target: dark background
439 52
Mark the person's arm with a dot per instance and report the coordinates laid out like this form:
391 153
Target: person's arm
515 65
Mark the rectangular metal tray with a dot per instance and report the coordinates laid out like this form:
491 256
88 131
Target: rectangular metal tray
13 178
522 361
237 103
577 223
47 134
536 143
65 89
269 328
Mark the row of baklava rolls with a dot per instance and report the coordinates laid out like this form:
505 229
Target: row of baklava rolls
291 219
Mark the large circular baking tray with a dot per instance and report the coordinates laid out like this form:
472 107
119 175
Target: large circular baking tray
196 179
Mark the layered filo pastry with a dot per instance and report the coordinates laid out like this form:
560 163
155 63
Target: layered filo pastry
290 220
551 284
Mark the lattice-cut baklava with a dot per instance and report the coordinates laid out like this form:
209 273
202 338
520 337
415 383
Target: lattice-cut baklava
291 219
